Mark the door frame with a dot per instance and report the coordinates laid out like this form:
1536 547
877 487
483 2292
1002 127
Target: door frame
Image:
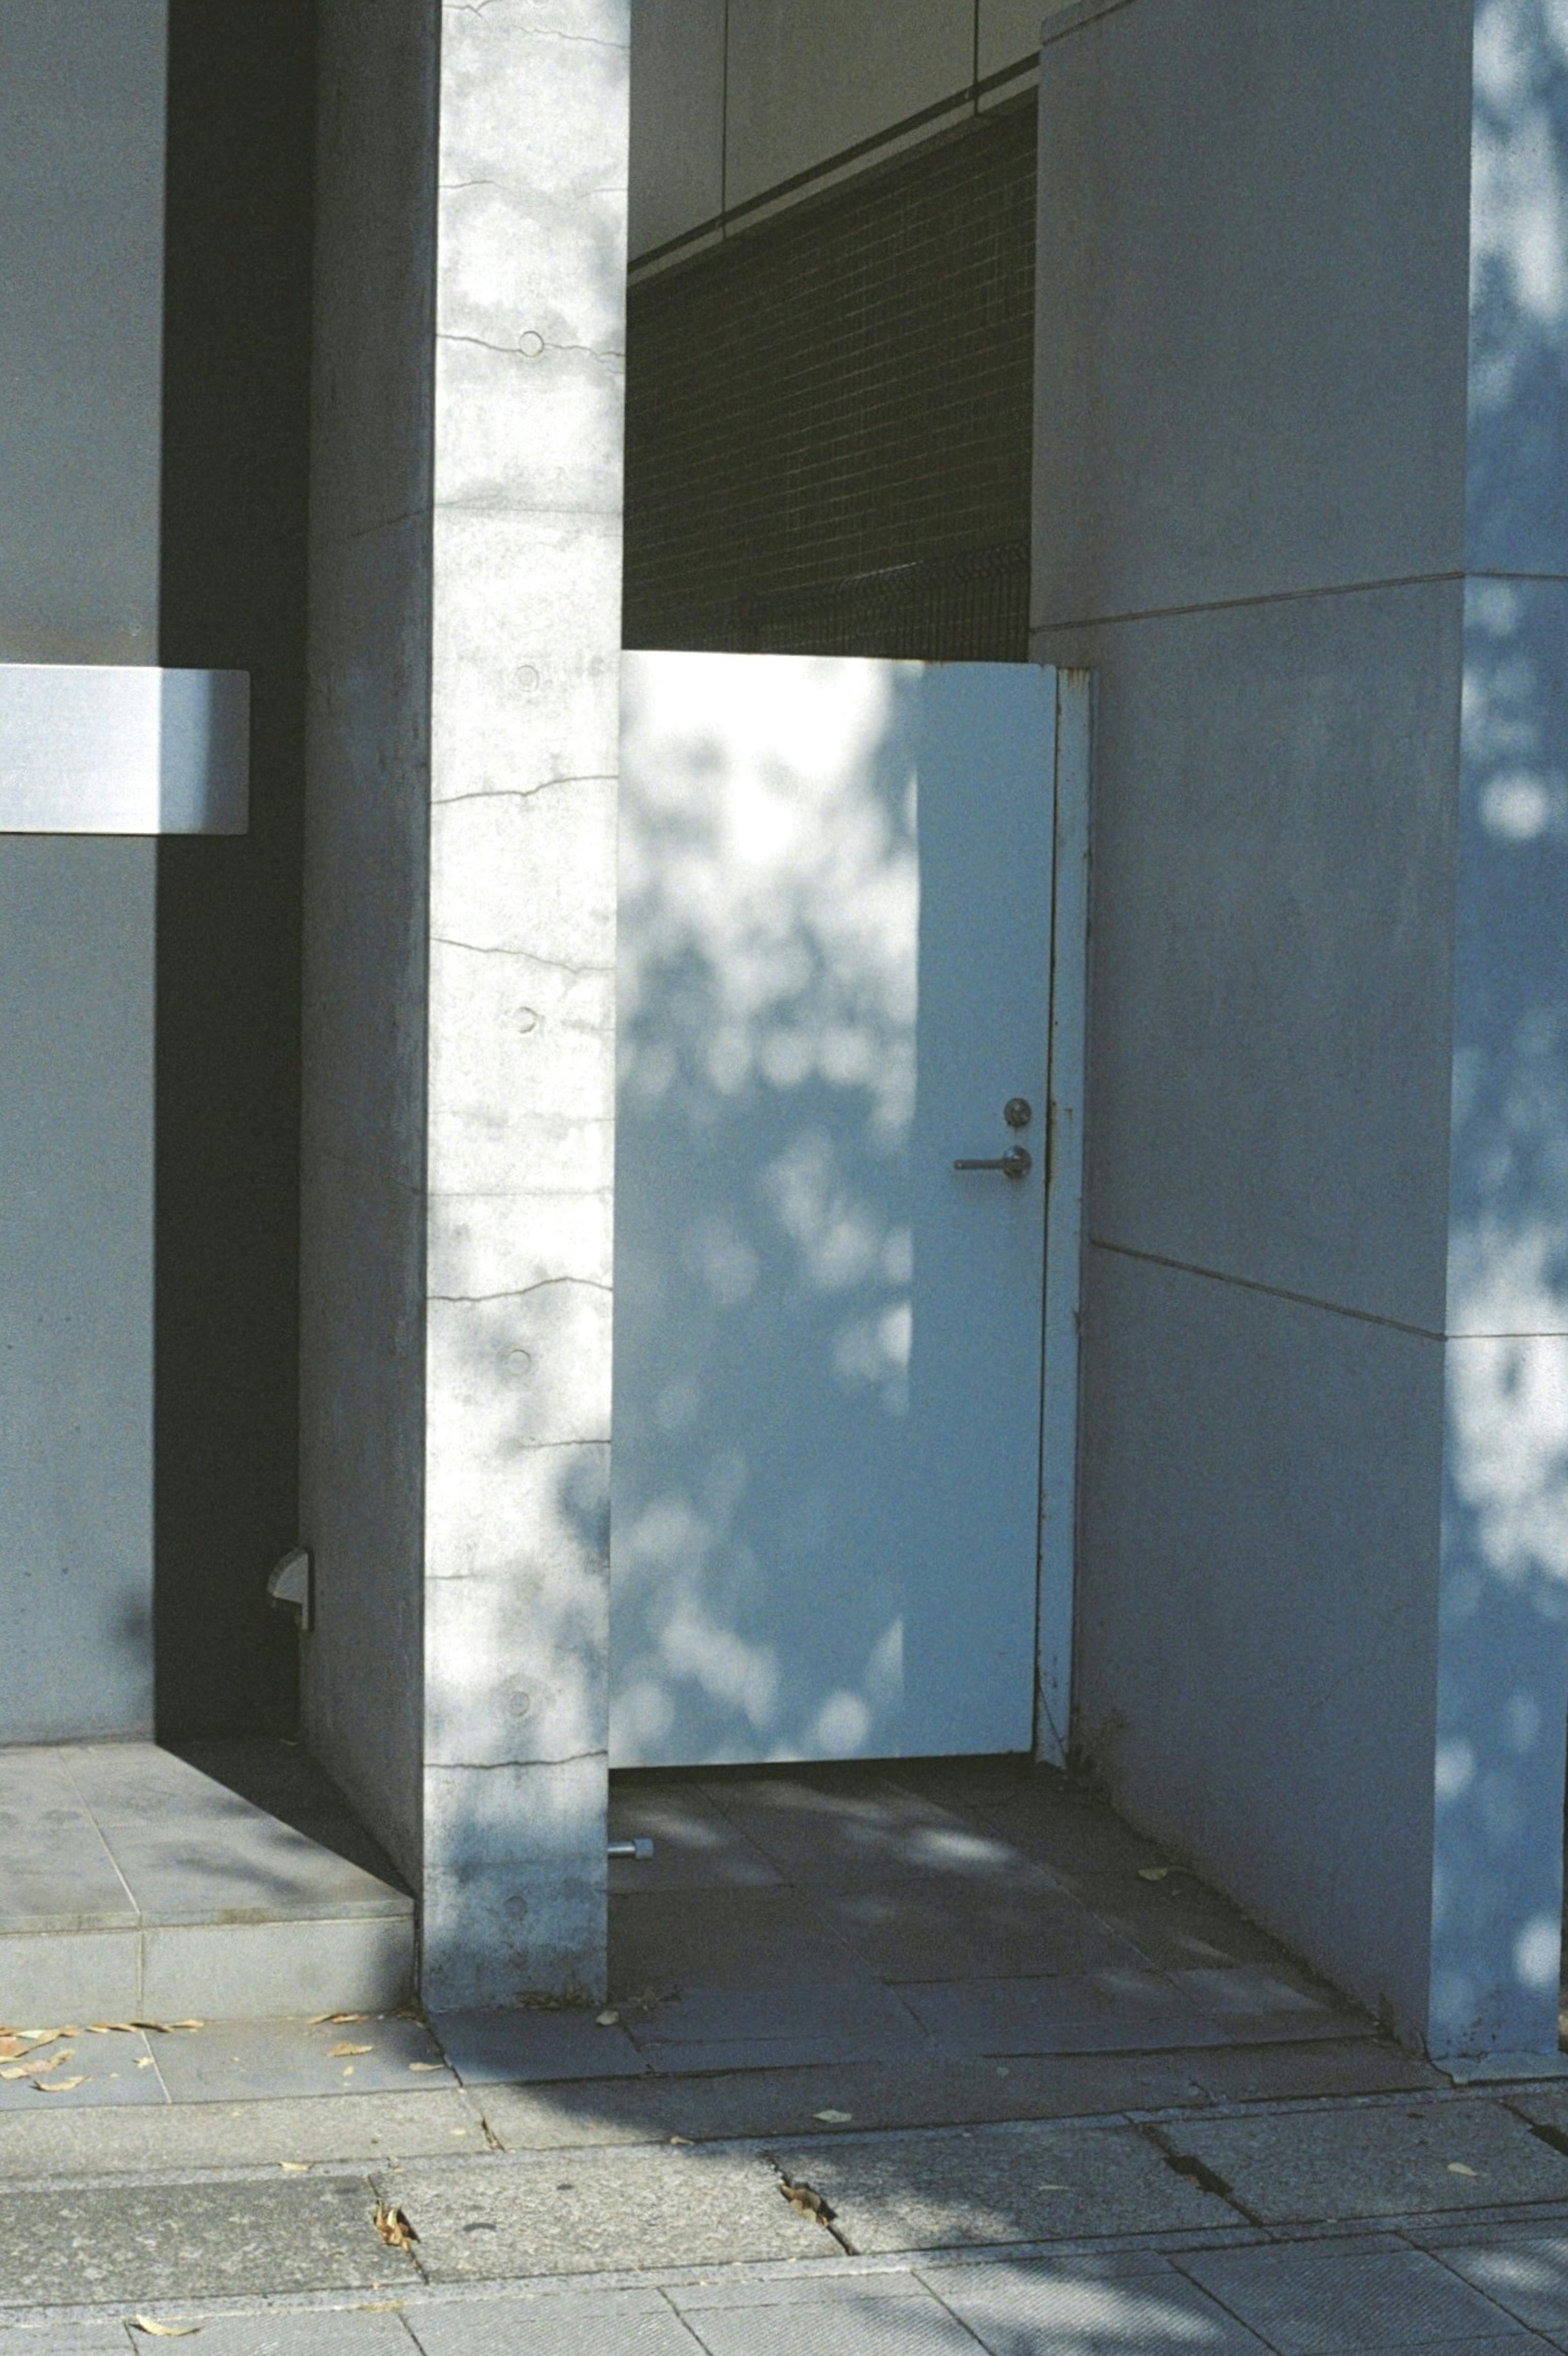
1063 1218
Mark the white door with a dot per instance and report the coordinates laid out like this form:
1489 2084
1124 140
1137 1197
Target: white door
835 986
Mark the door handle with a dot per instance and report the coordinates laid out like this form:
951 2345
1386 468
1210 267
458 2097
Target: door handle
1017 1163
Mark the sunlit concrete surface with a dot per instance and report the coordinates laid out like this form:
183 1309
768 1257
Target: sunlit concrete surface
136 1887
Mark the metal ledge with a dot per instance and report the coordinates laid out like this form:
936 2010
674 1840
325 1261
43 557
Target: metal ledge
99 748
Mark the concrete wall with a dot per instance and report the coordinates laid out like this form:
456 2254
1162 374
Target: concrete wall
739 106
81 193
459 959
1266 459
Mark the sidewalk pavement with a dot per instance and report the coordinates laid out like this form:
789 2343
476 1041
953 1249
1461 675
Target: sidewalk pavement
1324 2196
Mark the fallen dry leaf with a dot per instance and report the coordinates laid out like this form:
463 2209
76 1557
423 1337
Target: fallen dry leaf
188 2024
807 2200
833 2118
35 2068
427 2065
1457 2168
611 2019
1153 1873
685 2140
295 2166
143 2060
164 2330
57 2085
319 2019
336 2052
10 2047
394 2227
111 2028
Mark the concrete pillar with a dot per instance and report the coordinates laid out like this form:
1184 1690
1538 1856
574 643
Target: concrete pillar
1303 305
82 197
461 912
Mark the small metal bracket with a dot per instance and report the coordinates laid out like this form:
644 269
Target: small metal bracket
291 1586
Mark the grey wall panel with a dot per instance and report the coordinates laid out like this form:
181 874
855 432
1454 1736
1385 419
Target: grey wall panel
1270 971
1254 290
361 1274
1257 1636
810 78
76 1287
362 1219
81 203
1007 30
677 172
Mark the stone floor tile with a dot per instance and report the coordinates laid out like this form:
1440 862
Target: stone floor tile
66 2339
1059 2306
856 2048
1112 2011
1277 2072
340 2332
251 2060
1336 2301
531 2047
1384 2160
724 1938
162 2242
1266 2006
1519 2267
586 2212
352 2127
854 2322
830 2011
1177 1924
905 1930
283 1778
88 2070
610 2323
815 1833
695 1844
990 2186
817 2283
865 2095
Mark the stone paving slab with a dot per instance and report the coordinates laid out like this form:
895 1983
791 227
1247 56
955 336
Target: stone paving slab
1521 2270
67 2340
1083 2306
340 2332
1362 2065
136 2242
1333 2300
590 2211
1377 2160
85 2071
856 2324
613 2323
1000 2184
1091 2012
726 1938
532 2048
349 2127
267 2060
867 2095
820 2013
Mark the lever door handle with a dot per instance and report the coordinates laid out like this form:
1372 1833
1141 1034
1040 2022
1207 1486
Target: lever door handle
1017 1163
